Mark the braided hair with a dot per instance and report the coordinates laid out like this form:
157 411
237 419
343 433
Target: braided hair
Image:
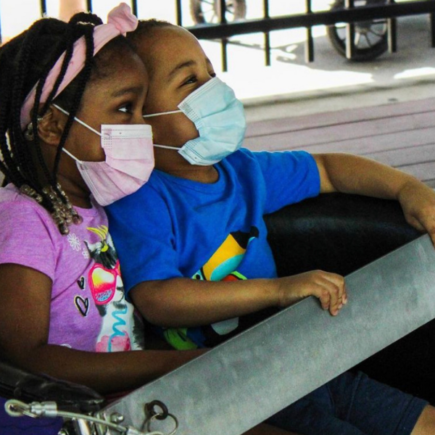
26 60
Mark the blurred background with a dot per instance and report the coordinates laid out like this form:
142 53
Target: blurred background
331 82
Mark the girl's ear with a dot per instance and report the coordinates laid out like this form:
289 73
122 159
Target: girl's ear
51 126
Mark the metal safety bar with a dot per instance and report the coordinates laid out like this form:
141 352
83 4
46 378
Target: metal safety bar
247 379
349 14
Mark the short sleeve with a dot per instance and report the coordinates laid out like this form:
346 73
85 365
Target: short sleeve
27 237
289 177
142 230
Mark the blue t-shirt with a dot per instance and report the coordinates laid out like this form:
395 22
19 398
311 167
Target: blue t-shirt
174 227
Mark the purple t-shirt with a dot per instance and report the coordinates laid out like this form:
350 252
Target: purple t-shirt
88 307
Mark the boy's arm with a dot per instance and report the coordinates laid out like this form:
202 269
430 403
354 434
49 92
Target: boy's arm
352 174
183 302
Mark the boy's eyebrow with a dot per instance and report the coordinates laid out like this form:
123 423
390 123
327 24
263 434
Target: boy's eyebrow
181 66
131 90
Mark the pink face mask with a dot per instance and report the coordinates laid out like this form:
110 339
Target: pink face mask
128 165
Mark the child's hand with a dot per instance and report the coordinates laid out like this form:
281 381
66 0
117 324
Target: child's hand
418 204
329 288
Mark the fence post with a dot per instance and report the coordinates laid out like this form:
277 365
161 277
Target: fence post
350 33
224 41
178 12
309 43
266 34
392 32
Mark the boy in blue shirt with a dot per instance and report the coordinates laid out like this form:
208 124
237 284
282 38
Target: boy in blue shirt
193 242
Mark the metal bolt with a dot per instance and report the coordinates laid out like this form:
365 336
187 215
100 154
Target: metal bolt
116 418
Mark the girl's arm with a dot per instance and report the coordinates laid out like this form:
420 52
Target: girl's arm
358 175
24 310
25 313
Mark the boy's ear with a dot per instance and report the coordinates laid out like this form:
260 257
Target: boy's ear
51 126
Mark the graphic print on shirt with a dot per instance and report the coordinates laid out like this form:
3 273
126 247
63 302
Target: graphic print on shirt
221 266
107 289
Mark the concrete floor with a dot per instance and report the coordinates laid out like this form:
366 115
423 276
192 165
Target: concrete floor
291 87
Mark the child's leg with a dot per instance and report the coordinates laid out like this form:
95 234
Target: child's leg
354 404
314 415
374 407
266 429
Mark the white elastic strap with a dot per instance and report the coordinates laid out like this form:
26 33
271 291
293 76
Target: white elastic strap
76 119
162 113
168 147
74 158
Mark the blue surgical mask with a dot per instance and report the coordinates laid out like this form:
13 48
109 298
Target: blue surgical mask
219 118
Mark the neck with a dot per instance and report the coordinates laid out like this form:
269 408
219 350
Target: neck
202 174
76 193
68 176
174 164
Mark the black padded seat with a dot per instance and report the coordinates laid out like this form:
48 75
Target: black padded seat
341 233
28 387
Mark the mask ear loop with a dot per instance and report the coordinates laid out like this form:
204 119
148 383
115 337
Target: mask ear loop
152 115
80 122
167 147
77 119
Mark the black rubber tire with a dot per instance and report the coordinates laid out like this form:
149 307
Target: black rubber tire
236 10
361 54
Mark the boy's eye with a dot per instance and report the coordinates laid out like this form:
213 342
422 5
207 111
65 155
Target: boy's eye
190 80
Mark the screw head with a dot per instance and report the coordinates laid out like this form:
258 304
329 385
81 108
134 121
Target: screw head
116 418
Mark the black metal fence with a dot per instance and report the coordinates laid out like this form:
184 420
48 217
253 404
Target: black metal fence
387 10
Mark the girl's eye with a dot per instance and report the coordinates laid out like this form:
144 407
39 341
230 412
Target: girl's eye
126 108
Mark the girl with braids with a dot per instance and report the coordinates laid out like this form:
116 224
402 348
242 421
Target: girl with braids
72 139
62 298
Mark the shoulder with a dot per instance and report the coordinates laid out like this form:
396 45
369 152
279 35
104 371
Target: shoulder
28 235
148 197
17 209
244 161
244 156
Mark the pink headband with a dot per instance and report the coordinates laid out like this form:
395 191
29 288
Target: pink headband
119 21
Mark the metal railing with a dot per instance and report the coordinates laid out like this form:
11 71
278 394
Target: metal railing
349 14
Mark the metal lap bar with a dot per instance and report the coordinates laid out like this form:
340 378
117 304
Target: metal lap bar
238 384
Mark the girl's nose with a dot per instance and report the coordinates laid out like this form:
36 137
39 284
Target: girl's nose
138 118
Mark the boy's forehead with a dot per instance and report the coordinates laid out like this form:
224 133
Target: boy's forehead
175 39
173 46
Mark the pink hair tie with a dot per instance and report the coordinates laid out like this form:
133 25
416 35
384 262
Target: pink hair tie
119 21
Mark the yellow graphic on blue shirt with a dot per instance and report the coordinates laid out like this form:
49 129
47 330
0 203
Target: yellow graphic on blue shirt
221 266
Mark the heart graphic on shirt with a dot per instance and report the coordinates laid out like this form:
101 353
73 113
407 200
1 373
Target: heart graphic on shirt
82 305
102 283
81 283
